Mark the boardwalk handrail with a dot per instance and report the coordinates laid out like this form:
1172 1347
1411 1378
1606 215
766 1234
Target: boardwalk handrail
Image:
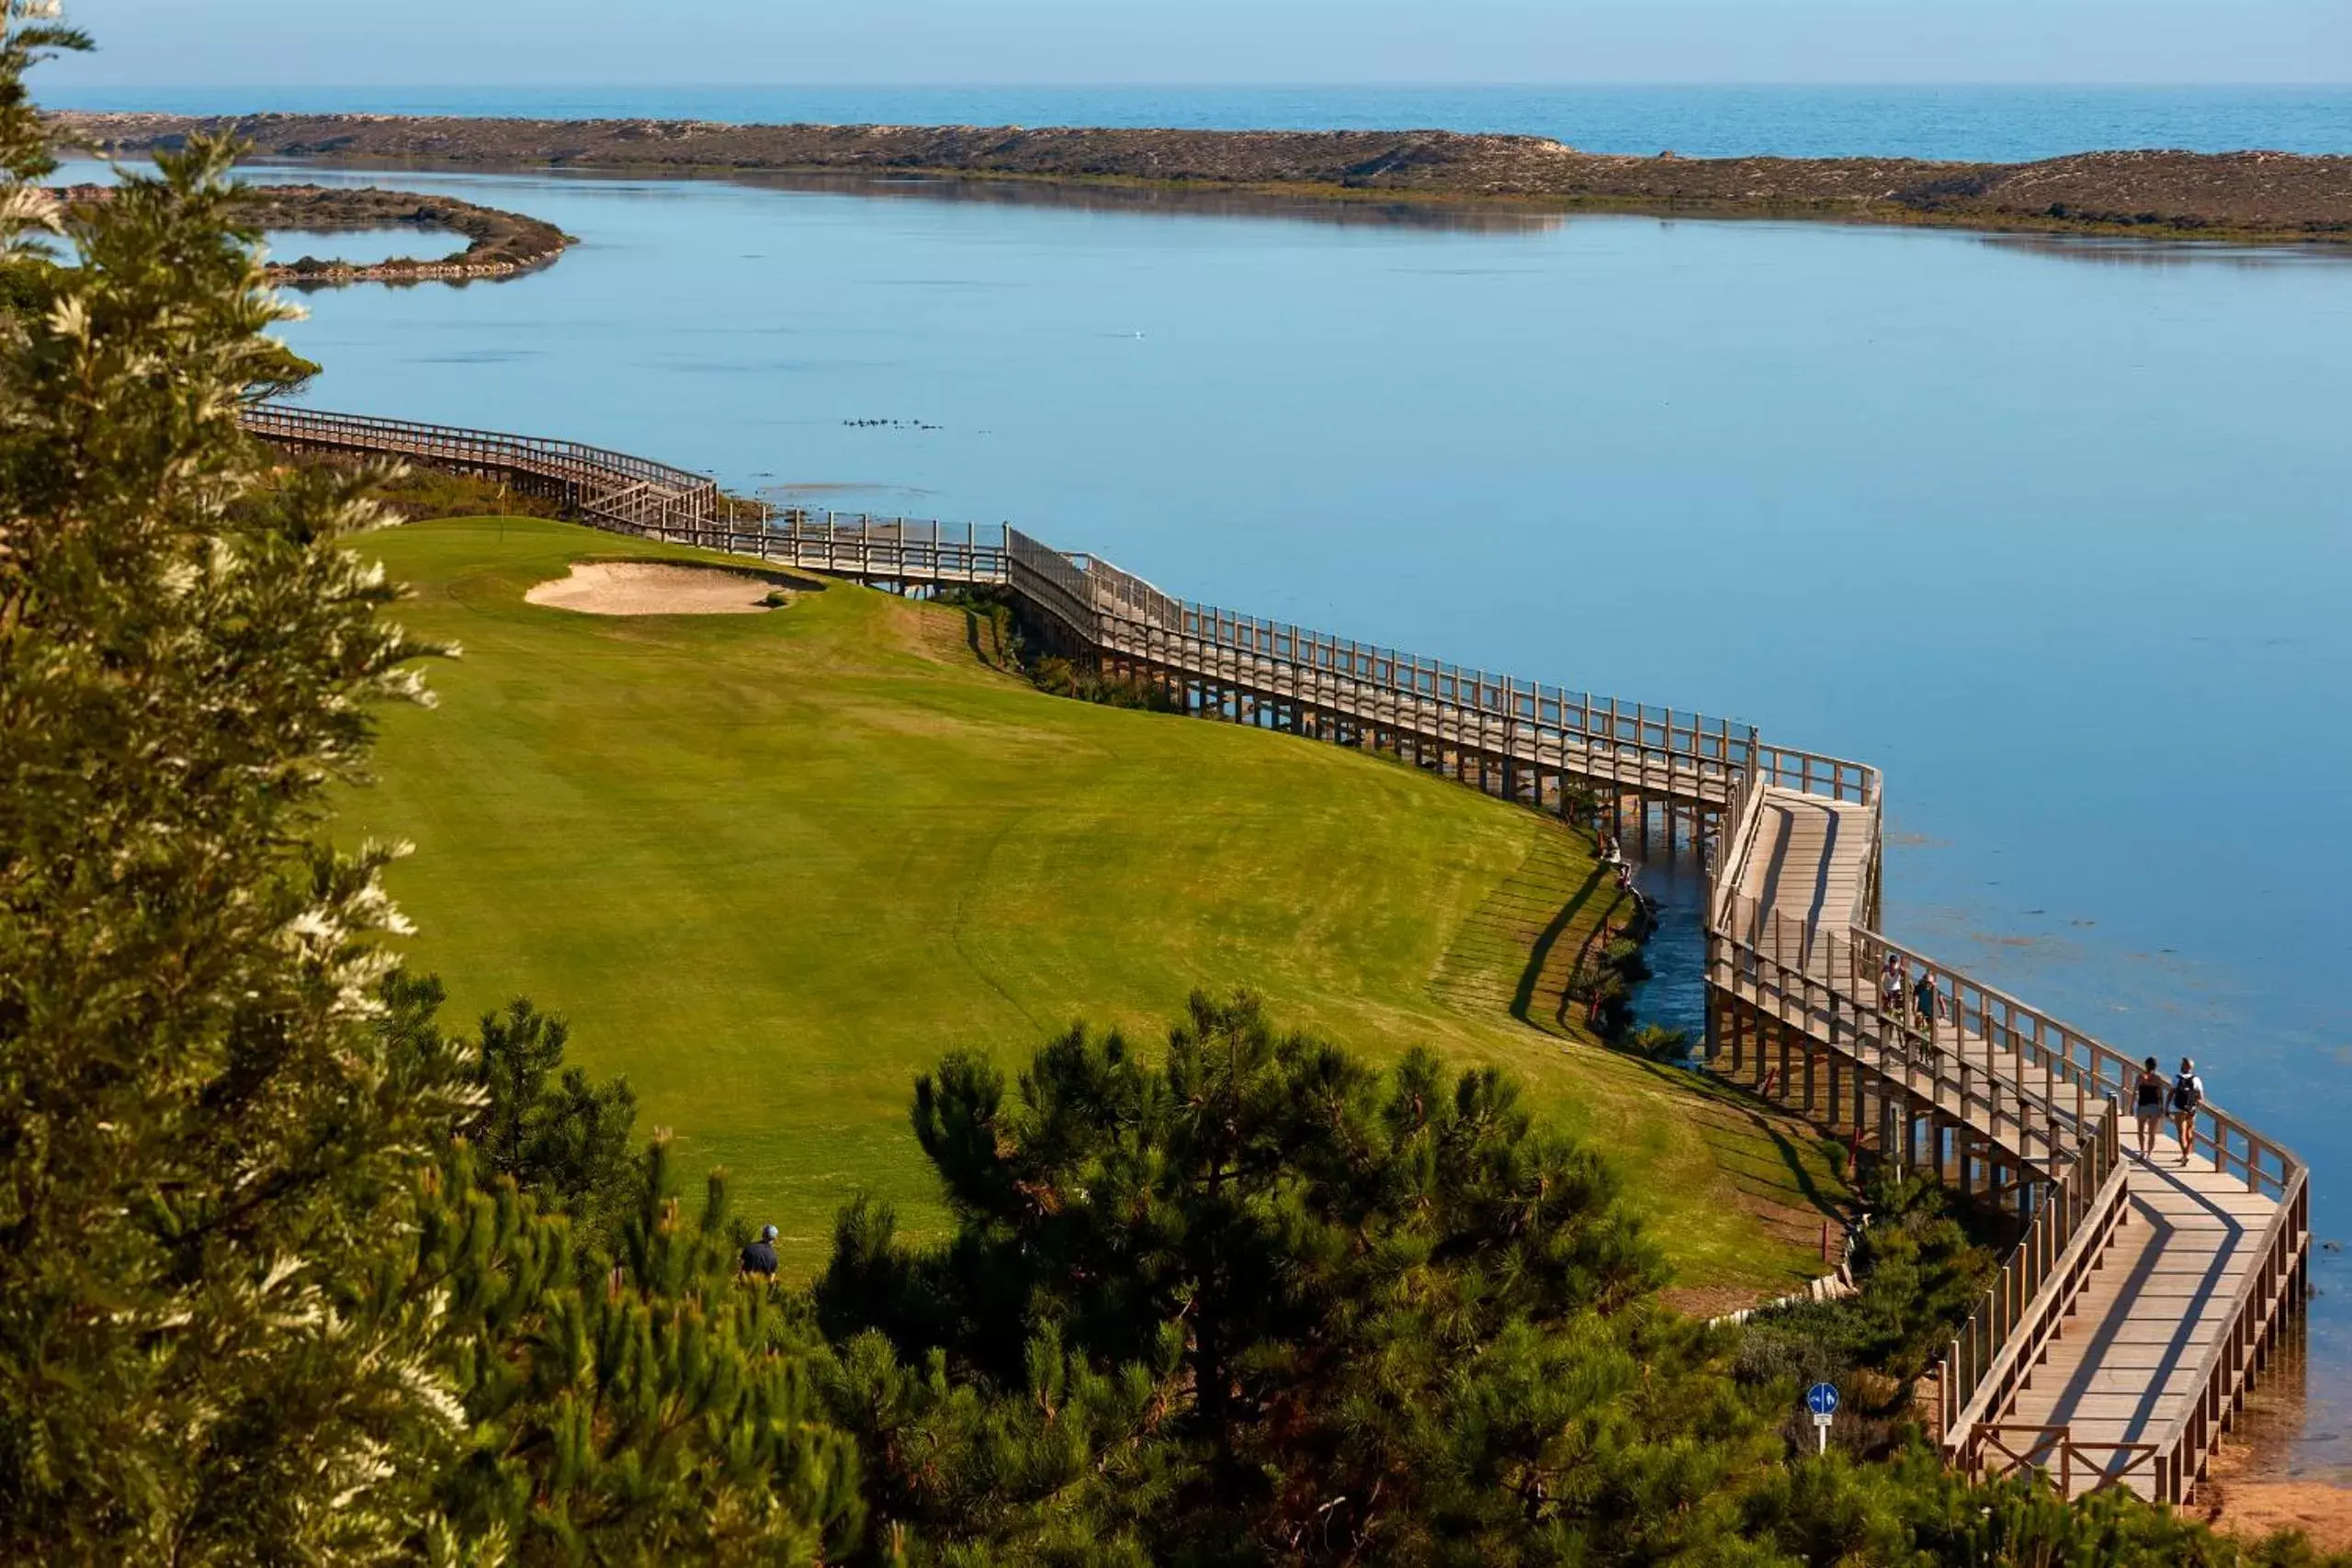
2070 1056
281 422
1826 984
2044 1093
2230 1361
2057 1448
1997 1349
2073 1115
1667 752
1743 813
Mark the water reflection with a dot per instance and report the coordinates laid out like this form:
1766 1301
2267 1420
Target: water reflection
2123 250
1465 217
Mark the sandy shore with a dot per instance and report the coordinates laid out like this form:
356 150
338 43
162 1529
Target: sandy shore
2253 1509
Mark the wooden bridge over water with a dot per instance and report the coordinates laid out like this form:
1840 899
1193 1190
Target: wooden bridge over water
2126 1329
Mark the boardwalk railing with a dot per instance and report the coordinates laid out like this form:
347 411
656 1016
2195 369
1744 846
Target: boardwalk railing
1531 730
635 494
2049 1096
2170 1466
2012 1330
2043 1094
2272 1288
1827 986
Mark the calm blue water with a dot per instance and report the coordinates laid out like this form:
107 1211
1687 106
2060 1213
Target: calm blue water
1994 123
2058 533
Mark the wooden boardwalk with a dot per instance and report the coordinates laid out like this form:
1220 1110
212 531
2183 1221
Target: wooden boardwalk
1810 861
2125 1330
2130 1368
2124 1335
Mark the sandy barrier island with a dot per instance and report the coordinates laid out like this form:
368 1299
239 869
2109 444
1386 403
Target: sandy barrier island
2244 197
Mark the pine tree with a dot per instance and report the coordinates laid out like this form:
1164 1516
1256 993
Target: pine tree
205 1138
644 1408
565 1139
1353 1315
261 1300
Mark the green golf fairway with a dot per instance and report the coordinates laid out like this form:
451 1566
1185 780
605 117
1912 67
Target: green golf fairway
773 865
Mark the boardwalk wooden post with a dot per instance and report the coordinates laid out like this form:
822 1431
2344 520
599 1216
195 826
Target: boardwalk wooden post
1787 1042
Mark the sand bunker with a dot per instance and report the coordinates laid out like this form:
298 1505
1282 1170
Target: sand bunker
653 588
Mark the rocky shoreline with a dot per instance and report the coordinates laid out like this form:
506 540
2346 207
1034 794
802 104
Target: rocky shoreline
498 244
2244 197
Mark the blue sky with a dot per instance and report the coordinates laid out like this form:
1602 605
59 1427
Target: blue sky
454 42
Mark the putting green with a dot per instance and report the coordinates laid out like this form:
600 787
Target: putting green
772 865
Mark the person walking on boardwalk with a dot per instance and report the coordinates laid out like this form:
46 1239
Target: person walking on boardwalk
2188 1094
1923 1000
2148 1095
759 1257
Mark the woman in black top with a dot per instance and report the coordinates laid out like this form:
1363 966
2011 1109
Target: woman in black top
2148 1095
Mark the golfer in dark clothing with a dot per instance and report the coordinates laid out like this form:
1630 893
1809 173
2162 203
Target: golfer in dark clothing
760 1257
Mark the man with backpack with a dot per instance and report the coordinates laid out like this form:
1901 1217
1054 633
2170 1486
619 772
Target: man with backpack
2188 1094
1926 1001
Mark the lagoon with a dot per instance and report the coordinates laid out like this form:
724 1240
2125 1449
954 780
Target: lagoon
2057 532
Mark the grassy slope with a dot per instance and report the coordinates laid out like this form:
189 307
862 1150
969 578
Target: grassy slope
774 866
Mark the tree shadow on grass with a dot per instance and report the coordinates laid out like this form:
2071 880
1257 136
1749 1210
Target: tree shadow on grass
1736 1104
1538 957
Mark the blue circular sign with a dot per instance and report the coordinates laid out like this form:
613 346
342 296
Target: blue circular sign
1822 1398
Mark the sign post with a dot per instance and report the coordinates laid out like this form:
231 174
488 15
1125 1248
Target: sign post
1822 1400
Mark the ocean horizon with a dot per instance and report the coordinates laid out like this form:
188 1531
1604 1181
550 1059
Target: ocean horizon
1988 123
